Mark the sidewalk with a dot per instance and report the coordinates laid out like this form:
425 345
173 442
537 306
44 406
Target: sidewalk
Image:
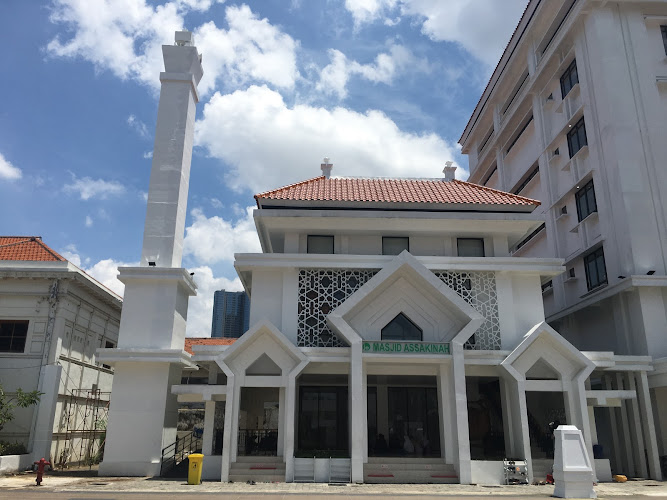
88 482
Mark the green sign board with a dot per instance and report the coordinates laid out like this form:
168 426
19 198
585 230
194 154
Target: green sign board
405 347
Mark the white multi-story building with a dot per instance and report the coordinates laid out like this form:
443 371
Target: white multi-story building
393 337
575 115
53 316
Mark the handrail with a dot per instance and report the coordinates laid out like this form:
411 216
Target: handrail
258 442
178 451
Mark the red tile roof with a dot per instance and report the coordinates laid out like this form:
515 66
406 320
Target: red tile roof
394 191
27 248
190 341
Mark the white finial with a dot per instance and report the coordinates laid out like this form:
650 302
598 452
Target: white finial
326 167
449 171
184 38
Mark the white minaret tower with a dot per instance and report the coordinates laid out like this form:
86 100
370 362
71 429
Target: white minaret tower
149 356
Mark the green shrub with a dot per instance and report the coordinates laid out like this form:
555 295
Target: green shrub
12 448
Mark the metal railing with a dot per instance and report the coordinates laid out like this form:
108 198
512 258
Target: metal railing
258 442
178 451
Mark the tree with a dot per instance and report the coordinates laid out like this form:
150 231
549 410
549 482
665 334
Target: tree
21 399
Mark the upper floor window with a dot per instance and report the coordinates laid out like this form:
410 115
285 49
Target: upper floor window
576 138
320 244
520 133
393 245
596 272
663 30
402 328
586 203
569 79
470 247
13 335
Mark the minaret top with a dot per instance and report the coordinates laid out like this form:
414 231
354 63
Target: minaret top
184 38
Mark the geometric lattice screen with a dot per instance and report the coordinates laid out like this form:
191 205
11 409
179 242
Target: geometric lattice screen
322 290
478 289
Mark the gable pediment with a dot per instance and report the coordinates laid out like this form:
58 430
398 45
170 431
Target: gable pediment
405 286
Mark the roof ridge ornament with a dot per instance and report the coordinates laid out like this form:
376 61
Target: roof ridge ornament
449 171
326 167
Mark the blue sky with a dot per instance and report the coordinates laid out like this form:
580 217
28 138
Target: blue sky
382 87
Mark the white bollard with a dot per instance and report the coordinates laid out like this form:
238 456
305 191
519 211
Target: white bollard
573 473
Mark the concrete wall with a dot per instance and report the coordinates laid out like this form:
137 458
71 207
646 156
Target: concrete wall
81 322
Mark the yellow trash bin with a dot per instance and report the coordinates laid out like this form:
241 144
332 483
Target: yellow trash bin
194 470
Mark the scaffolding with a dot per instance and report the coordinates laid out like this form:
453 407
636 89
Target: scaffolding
85 414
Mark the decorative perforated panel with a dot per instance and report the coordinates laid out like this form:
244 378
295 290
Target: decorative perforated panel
322 290
479 290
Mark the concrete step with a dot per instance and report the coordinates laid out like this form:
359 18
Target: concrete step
404 460
410 472
261 459
242 478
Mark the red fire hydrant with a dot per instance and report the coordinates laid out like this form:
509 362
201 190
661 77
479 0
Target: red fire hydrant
40 470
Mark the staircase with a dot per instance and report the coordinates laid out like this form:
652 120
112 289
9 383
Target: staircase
258 469
409 470
174 461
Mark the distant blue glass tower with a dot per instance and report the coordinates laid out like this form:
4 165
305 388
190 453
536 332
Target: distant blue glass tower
231 314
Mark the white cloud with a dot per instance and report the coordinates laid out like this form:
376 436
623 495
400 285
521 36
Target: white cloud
125 37
483 27
251 49
213 240
138 126
216 203
364 11
9 171
88 188
89 221
387 65
294 140
148 155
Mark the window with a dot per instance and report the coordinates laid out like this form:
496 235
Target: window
485 141
663 30
569 79
323 418
488 177
596 272
320 244
547 286
530 236
586 203
470 247
393 245
402 328
13 335
518 136
530 177
576 138
108 345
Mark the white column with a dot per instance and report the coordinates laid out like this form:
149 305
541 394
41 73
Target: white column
358 421
49 382
230 402
461 404
447 431
637 429
209 422
281 421
649 426
616 461
290 420
627 440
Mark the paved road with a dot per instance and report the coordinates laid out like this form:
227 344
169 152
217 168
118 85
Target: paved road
16 494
